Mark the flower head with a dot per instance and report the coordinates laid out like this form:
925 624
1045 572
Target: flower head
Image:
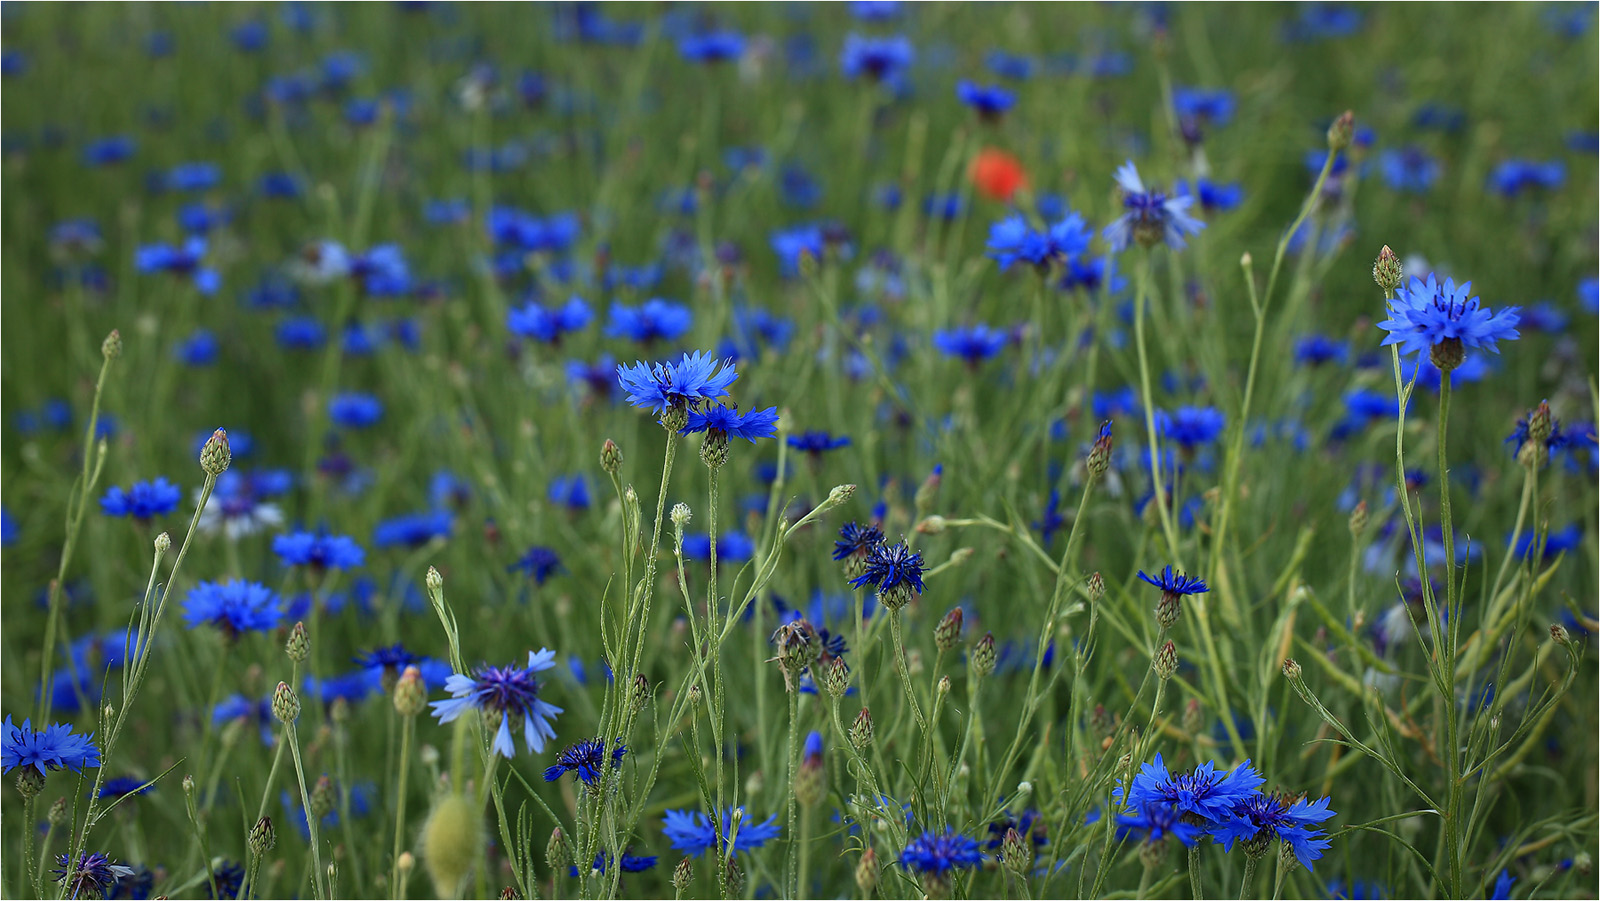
507 697
1206 792
1152 217
1175 583
56 748
990 101
974 344
654 320
318 550
895 569
234 607
90 876
881 59
142 500
1426 314
587 758
1257 816
728 422
1154 820
939 853
682 385
549 324
539 563
691 832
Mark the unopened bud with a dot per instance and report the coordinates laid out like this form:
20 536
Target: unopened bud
163 543
944 685
928 491
298 647
1558 634
188 785
285 704
867 872
840 494
111 347
697 695
555 851
323 797
1387 271
640 697
410 695
1291 669
861 730
683 875
30 782
931 525
1193 716
1100 454
948 632
1358 519
433 580
982 659
836 677
263 837
59 815
406 862
610 457
1015 854
714 449
1341 131
1097 586
681 515
1166 661
215 454
510 893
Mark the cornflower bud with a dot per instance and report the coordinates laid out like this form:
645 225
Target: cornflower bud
810 783
682 876
1558 634
298 647
433 580
982 659
163 543
215 454
1100 454
263 837
948 632
410 695
640 697
285 704
1193 716
555 851
1166 661
323 797
674 419
1291 669
931 525
111 347
1015 854
680 515
59 816
1358 519
836 677
1341 131
861 730
1097 586
1387 271
867 872
610 457
714 449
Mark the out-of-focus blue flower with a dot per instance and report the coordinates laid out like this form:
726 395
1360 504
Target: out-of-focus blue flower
183 261
879 58
300 333
355 410
791 244
973 344
990 101
234 607
318 550
655 320
1212 106
1322 22
691 832
539 564
142 500
712 47
1151 218
108 151
549 324
1212 196
1190 427
413 529
1515 176
1315 350
1409 168
199 349
193 177
1555 544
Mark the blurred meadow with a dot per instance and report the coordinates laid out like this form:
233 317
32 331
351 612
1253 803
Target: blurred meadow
799 450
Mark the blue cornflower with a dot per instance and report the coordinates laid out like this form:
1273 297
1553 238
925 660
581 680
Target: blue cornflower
1314 350
1555 542
119 786
386 663
318 550
1012 240
937 854
876 10
895 569
691 832
712 47
1175 583
1190 427
90 876
507 697
193 176
974 344
630 863
539 564
382 271
9 531
233 607
815 443
587 758
355 410
300 333
413 529
1425 315
681 385
1268 817
1212 196
718 421
1152 217
856 540
1051 520
1215 107
571 491
654 320
990 101
1155 820
1555 441
1206 792
881 59
1009 65
56 748
199 349
1409 169
238 504
733 546
549 324
1512 177
794 243
107 151
1502 886
142 500
238 707
182 260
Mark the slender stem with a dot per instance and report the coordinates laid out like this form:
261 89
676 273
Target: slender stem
797 841
1144 881
1445 640
1155 715
905 670
1158 494
407 724
804 880
1277 885
1249 876
318 875
1194 871
29 811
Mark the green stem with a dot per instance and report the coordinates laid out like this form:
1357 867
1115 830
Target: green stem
407 724
1446 642
1249 876
797 841
1194 871
905 670
1158 494
1144 882
318 875
29 812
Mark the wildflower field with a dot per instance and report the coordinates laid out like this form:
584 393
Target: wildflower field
799 451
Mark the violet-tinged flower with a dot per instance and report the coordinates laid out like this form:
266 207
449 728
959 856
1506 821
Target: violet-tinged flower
90 876
1258 816
1206 792
1153 820
1152 217
588 758
507 697
938 853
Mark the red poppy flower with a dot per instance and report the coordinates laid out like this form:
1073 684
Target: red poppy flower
997 174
